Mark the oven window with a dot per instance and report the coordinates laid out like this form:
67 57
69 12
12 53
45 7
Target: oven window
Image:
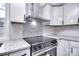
2 19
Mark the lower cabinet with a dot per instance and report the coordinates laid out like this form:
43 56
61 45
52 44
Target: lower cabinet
25 52
63 48
74 48
67 48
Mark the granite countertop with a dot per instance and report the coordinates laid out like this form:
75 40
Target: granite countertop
13 45
70 38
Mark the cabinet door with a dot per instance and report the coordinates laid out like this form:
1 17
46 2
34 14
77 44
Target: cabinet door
71 13
17 11
74 48
57 16
21 53
74 51
47 12
63 48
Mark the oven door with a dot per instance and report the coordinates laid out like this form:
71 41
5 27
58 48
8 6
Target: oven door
35 48
52 52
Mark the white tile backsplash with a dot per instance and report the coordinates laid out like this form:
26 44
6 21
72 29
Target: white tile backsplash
47 30
16 31
30 30
68 30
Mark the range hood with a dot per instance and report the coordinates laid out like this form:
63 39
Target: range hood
37 18
52 4
56 4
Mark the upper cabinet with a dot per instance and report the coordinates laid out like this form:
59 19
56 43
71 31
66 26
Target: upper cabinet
17 12
52 13
46 12
71 13
57 16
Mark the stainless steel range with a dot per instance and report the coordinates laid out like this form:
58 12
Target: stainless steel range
40 45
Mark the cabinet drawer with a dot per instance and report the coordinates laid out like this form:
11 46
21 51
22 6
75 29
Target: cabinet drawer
25 52
74 51
75 44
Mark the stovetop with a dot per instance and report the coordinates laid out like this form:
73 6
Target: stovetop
38 40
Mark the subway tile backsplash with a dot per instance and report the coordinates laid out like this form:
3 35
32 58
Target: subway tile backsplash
30 30
68 30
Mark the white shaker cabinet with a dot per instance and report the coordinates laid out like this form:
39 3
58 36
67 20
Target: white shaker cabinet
74 48
25 52
63 48
17 12
71 13
54 14
57 16
47 12
67 48
74 51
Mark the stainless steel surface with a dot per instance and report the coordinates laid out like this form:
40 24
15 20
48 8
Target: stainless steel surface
56 4
40 43
46 49
37 18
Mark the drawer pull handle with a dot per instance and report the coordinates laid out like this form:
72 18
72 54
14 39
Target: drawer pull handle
71 50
